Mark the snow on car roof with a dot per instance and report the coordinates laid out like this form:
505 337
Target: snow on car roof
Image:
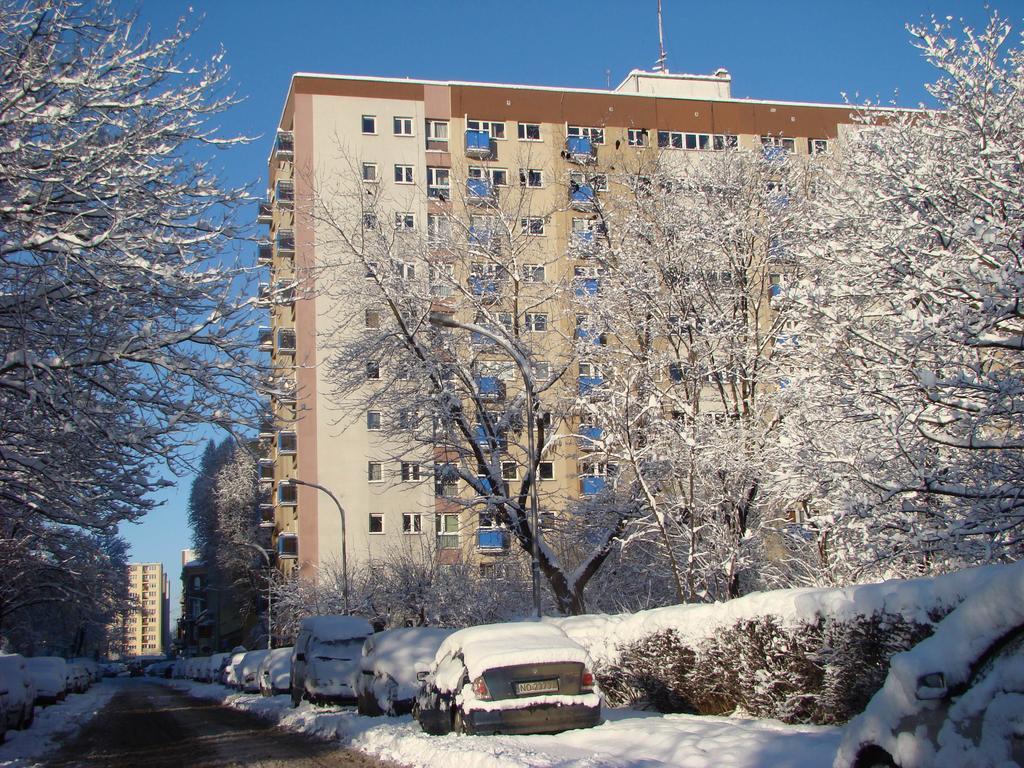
503 645
336 627
396 651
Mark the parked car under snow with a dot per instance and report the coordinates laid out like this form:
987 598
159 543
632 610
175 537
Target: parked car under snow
275 672
387 684
325 659
248 671
50 674
508 678
956 698
17 691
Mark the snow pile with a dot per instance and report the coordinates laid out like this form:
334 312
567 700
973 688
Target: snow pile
54 725
603 636
627 739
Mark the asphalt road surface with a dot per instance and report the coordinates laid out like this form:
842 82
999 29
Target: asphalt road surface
148 724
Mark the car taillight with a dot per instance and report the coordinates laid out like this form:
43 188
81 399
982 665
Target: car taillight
480 689
587 680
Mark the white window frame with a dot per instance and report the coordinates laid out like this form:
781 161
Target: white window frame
406 172
405 221
374 176
379 465
596 181
433 172
282 334
432 130
498 177
514 474
412 523
596 135
411 471
400 124
489 126
783 142
525 177
536 322
638 137
362 125
819 146
532 226
370 419
534 273
370 518
375 363
524 129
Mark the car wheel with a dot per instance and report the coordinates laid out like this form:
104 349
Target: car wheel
875 757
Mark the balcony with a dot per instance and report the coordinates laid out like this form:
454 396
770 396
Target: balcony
287 546
440 192
484 287
264 252
582 197
283 293
265 469
591 485
265 212
266 515
590 437
588 385
490 388
478 145
267 430
285 241
263 295
581 150
480 191
284 147
284 194
447 541
266 339
492 539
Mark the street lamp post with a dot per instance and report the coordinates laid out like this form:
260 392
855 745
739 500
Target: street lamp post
344 549
442 320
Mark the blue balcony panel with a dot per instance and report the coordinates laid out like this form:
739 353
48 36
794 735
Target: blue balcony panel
589 383
492 538
478 143
583 237
592 433
483 286
588 286
582 196
579 146
479 188
490 387
593 484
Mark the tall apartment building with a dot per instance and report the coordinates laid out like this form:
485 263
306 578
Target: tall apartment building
424 151
147 630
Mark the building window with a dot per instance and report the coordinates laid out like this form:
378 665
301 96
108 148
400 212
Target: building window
403 174
370 172
374 471
437 130
537 321
439 230
817 146
376 522
509 470
596 181
541 370
285 339
596 135
403 126
370 222
408 418
410 471
532 225
447 528
529 132
547 470
439 183
637 137
372 371
412 522
369 124
497 176
495 130
533 273
373 421
405 222
287 494
531 177
696 141
373 318
287 442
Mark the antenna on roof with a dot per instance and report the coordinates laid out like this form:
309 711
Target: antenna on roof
659 65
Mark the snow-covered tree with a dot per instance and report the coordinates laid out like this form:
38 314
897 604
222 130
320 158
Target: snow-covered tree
456 393
119 326
906 430
681 325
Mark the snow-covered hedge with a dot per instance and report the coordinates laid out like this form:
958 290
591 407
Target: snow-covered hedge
800 655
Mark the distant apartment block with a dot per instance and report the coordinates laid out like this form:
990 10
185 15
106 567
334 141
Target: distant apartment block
147 631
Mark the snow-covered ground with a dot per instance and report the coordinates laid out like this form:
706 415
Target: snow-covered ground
53 725
627 738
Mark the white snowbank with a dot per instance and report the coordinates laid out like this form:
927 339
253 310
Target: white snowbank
55 724
628 739
603 635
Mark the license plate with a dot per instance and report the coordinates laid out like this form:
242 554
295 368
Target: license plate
537 686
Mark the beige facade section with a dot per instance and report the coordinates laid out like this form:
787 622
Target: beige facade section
320 435
146 629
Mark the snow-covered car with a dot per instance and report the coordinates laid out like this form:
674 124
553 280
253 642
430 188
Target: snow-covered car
325 659
957 697
248 671
276 672
387 683
199 668
508 678
17 691
50 674
77 677
231 675
214 667
92 668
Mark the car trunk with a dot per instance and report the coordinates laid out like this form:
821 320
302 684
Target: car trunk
523 680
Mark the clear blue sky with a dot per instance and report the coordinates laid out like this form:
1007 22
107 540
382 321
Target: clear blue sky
789 50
